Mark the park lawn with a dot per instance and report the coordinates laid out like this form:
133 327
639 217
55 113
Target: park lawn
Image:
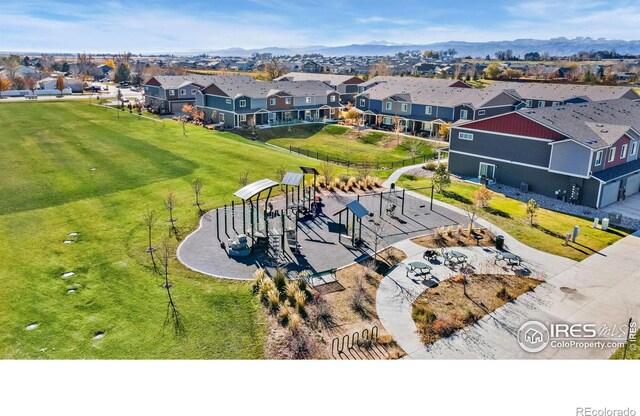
48 191
510 214
480 83
344 143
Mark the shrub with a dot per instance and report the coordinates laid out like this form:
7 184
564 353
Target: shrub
284 315
503 294
359 297
295 321
299 344
385 339
258 278
444 326
280 281
430 165
300 299
469 317
422 313
266 287
273 300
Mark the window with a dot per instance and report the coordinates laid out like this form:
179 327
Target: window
242 103
221 118
388 105
228 101
529 103
465 136
172 93
555 104
634 148
599 155
463 114
332 98
363 102
404 108
612 154
623 151
541 104
428 110
287 100
183 92
243 117
386 120
487 170
307 100
193 91
480 112
146 88
272 101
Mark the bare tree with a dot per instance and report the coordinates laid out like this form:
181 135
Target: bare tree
377 234
196 186
173 316
169 204
150 220
274 68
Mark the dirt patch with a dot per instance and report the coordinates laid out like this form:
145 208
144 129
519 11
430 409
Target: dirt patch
456 237
336 314
443 310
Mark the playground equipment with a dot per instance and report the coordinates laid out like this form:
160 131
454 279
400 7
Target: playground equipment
358 212
247 194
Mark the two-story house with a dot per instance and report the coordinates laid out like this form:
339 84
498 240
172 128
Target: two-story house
346 85
421 105
236 101
540 95
169 93
586 153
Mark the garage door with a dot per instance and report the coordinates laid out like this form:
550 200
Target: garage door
609 193
177 107
633 184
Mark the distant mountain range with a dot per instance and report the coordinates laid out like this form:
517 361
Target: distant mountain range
555 46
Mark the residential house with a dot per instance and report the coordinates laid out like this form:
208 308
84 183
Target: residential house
422 105
169 93
75 85
312 67
242 101
539 95
586 153
346 85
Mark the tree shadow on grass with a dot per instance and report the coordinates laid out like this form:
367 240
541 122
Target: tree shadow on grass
497 212
457 197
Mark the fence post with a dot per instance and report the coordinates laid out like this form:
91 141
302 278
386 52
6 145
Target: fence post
431 204
381 203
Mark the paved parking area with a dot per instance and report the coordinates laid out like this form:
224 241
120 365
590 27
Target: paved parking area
630 207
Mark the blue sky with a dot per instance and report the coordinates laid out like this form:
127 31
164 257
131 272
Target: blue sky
161 26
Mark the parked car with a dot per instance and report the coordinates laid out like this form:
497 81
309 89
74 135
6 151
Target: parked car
135 89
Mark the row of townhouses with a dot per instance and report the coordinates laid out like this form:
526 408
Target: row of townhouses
234 101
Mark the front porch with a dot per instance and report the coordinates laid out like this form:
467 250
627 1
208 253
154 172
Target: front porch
264 118
409 126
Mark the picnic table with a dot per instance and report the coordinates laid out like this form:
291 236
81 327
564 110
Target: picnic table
460 257
510 258
418 265
478 237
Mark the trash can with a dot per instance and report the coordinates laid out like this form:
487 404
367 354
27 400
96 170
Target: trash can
500 242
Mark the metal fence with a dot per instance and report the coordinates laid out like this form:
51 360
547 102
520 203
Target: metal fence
377 165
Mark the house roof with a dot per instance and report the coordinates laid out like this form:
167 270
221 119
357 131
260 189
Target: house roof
594 124
615 172
247 86
410 82
173 82
331 79
561 92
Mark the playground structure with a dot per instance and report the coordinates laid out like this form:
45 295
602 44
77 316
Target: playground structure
303 229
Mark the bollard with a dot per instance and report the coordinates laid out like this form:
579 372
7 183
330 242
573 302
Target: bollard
576 231
595 222
605 224
567 237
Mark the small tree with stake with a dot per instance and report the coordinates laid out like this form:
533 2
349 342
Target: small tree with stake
532 210
196 186
173 316
60 84
441 178
150 220
169 204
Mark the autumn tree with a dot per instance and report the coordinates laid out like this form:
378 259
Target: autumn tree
482 197
30 83
380 68
5 85
18 83
444 130
492 71
511 73
274 68
60 84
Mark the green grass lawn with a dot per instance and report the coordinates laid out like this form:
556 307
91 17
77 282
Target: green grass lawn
48 191
510 215
480 83
342 142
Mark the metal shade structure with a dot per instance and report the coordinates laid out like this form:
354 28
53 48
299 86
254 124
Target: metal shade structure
255 188
292 179
357 209
358 212
309 170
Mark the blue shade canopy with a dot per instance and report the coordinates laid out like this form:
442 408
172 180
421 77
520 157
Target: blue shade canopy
357 209
255 188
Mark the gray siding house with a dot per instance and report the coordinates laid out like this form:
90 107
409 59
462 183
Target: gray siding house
585 153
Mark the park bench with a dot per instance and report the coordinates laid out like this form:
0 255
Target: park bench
321 276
